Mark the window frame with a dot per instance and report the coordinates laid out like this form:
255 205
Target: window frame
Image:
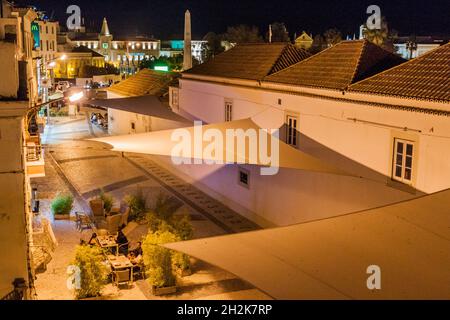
246 172
404 156
292 137
228 110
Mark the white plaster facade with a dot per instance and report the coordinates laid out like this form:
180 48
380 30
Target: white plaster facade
353 131
123 122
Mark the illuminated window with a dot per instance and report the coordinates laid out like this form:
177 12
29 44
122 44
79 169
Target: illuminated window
118 57
291 130
402 168
175 98
228 110
105 45
244 178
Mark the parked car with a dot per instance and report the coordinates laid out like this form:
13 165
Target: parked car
63 85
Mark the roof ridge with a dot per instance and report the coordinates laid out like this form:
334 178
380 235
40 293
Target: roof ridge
400 65
358 63
286 47
307 59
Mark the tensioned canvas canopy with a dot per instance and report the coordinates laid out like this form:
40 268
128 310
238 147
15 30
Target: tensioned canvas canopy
148 105
328 259
165 142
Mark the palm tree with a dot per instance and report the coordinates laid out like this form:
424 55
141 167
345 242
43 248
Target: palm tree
332 37
377 36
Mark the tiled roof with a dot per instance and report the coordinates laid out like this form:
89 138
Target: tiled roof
146 82
426 77
339 66
83 49
251 61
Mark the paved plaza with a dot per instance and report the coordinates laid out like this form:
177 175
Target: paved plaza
83 168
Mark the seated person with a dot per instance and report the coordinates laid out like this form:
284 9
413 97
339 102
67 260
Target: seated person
135 260
122 241
93 240
138 250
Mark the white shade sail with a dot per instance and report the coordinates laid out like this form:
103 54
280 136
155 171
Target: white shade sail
148 105
328 259
163 143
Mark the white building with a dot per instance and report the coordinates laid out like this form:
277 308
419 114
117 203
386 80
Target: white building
21 156
173 48
392 130
132 116
410 48
48 46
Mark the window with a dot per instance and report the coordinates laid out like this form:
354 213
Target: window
244 178
133 127
402 168
228 110
105 45
279 102
291 130
175 98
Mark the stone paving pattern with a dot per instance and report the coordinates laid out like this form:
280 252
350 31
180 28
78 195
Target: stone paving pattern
83 168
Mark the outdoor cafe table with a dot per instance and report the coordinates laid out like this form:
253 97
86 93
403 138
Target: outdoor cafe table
107 242
121 262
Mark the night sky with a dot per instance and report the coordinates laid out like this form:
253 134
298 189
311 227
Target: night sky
164 18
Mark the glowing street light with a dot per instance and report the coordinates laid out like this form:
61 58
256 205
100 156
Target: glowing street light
76 96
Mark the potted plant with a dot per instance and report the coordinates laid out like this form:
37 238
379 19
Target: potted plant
158 262
62 206
138 206
108 201
92 272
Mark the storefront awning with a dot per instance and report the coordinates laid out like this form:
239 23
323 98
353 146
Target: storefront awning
163 143
145 105
328 259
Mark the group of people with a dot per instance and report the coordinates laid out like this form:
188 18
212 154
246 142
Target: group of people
135 255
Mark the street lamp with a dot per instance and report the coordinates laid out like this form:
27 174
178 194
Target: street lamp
72 98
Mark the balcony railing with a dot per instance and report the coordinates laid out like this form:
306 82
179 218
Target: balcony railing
19 291
34 151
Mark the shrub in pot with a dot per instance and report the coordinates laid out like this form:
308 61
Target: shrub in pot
108 201
158 261
93 272
62 205
138 205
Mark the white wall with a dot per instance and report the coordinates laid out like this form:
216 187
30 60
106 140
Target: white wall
9 81
361 148
13 199
119 122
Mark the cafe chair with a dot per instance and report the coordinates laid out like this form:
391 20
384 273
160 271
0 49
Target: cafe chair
121 277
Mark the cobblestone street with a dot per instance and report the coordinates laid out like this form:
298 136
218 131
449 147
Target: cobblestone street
83 168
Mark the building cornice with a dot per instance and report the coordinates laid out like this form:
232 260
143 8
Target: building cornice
440 108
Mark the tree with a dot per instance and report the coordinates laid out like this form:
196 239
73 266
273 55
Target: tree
380 36
318 44
88 71
213 46
93 272
242 34
332 37
279 32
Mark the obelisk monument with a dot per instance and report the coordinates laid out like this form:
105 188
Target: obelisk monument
187 56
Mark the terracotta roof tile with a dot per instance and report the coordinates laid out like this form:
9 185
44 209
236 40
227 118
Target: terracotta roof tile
251 61
338 66
145 82
426 77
